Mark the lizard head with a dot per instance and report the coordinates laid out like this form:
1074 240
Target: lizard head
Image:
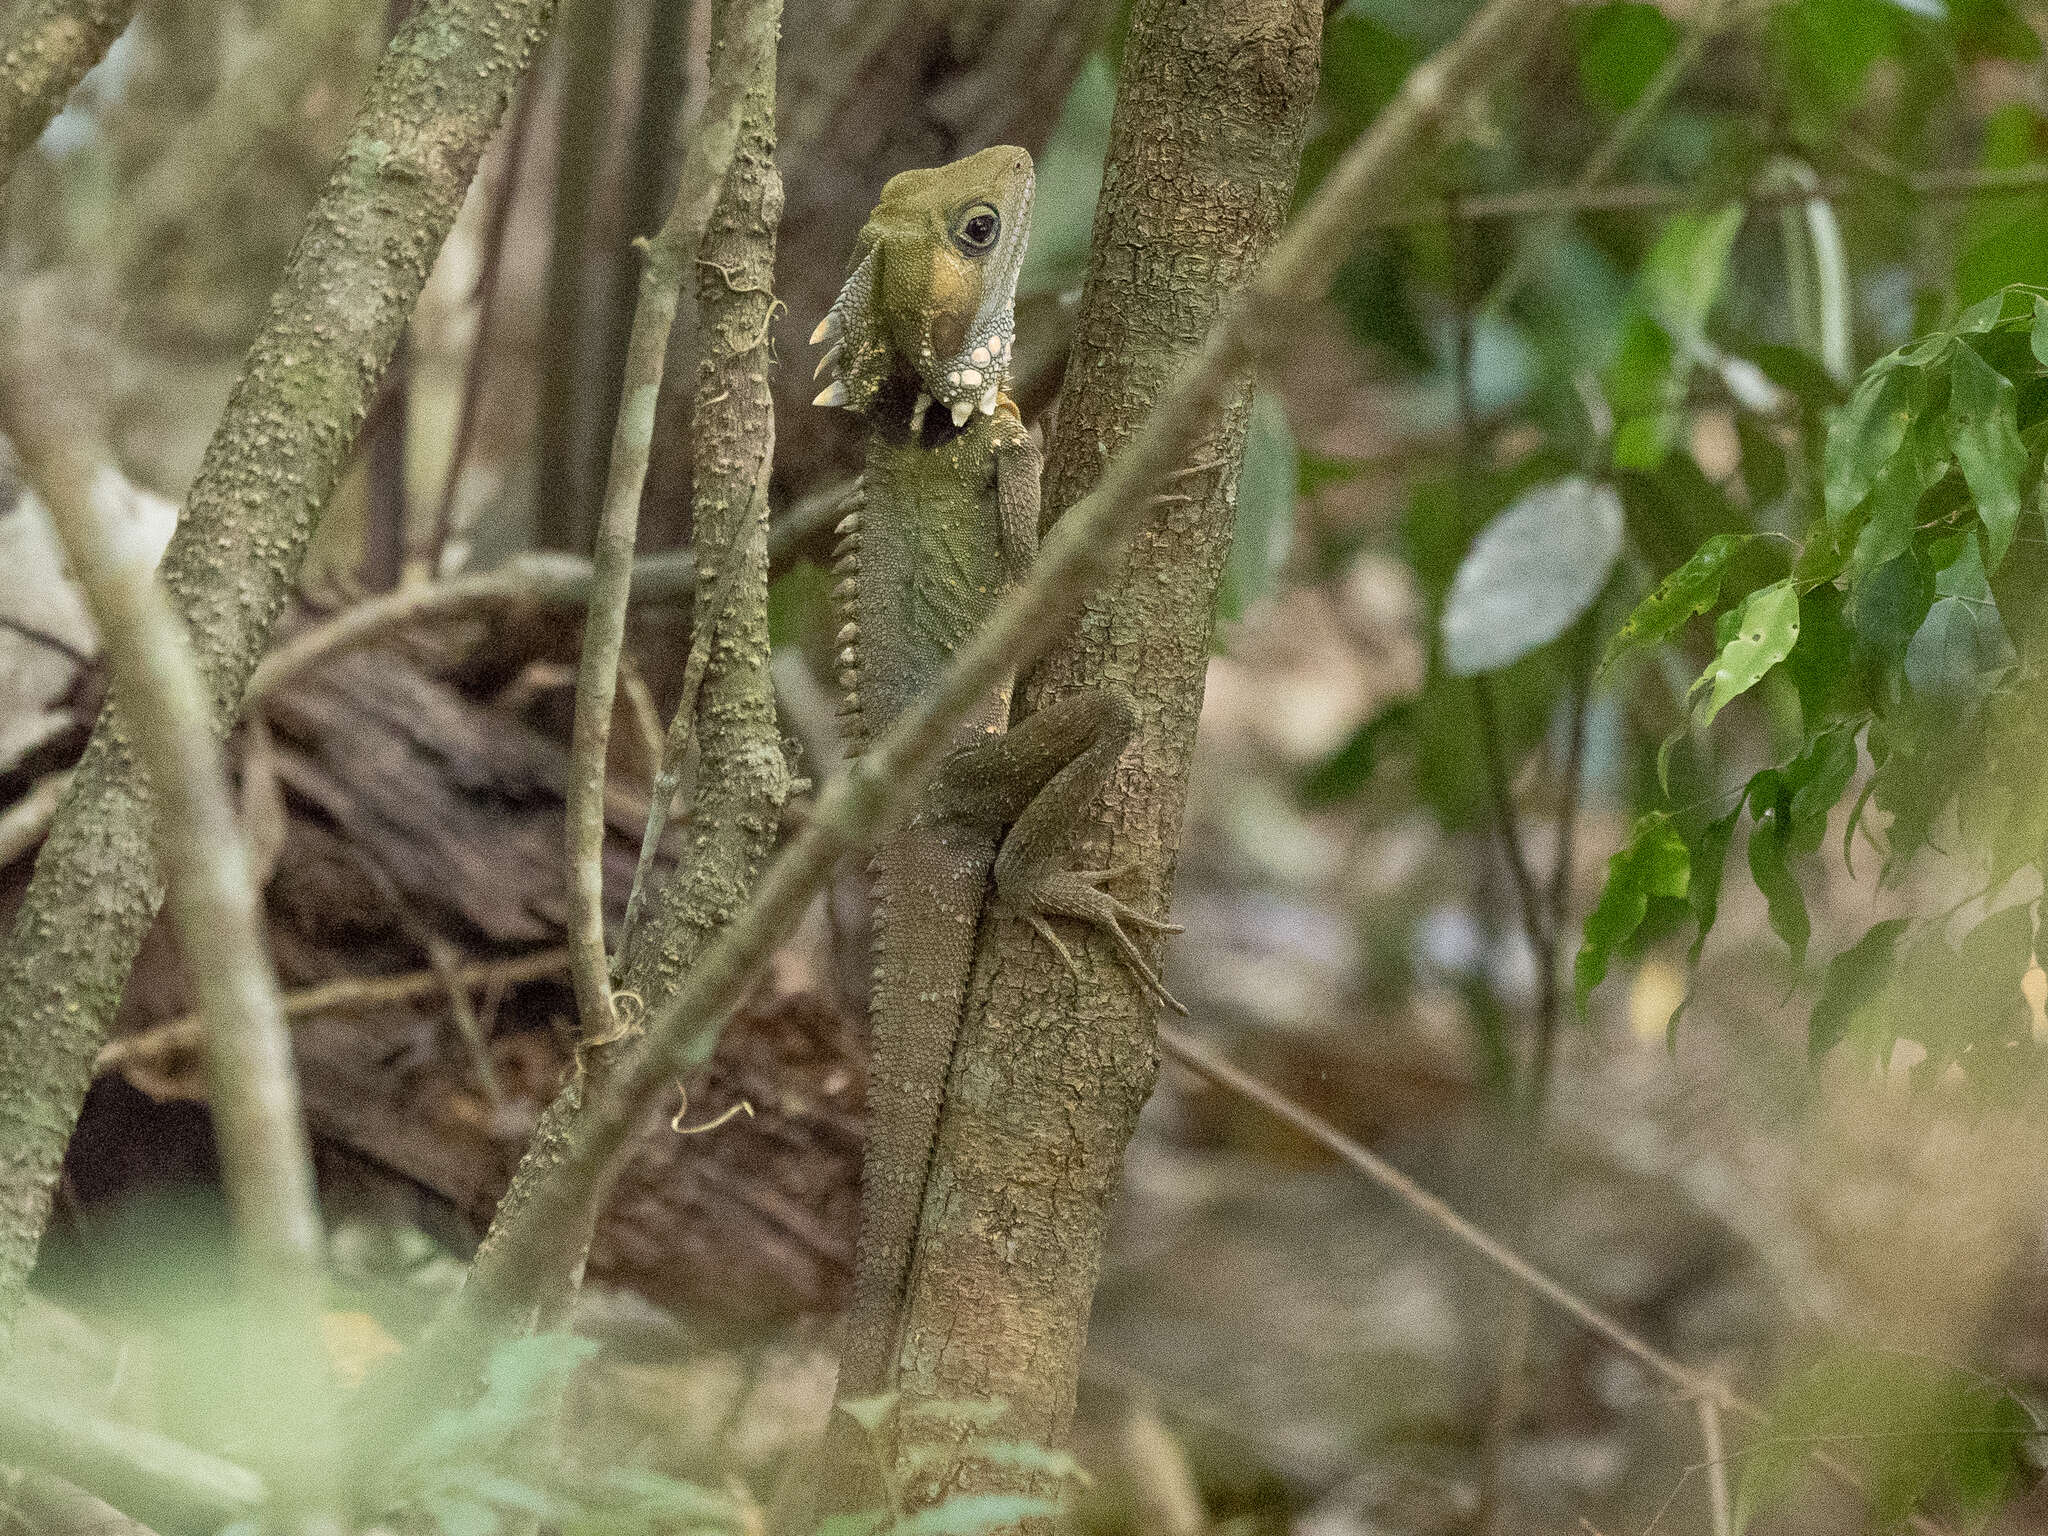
932 288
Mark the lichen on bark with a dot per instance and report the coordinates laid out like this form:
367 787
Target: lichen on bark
437 95
1048 1080
51 46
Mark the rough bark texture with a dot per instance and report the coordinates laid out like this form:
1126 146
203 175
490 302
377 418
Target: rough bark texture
1047 1081
48 51
742 779
438 94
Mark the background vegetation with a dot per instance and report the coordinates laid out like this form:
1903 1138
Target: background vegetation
1617 804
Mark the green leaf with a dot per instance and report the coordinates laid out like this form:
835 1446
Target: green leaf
861 1523
1621 47
1530 574
1692 588
1653 862
972 1514
1962 643
1770 848
1265 509
1854 979
1817 779
1983 423
1709 859
1765 629
1682 274
1346 772
2037 339
1866 433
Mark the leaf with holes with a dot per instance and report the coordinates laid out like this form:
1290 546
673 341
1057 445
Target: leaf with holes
1764 631
1692 588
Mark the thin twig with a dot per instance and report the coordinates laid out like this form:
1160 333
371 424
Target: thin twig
668 257
1694 1385
1545 202
266 1161
1717 1466
347 994
23 823
554 580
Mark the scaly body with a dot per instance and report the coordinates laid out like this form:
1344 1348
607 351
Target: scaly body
920 338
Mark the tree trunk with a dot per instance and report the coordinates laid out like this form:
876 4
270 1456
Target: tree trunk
1046 1085
437 97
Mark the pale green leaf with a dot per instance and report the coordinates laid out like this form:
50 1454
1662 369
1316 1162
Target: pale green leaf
1765 630
1531 572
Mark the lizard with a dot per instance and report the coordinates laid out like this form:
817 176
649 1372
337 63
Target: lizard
918 346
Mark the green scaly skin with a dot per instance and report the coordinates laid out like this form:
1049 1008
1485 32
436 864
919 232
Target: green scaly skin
920 339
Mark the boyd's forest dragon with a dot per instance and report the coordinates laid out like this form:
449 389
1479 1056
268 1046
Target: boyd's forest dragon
919 345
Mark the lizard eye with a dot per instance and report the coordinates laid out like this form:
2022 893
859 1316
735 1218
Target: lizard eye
978 229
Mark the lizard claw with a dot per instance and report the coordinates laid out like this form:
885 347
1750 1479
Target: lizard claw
1078 893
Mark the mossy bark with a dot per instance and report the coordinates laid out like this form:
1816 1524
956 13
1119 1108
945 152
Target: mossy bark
438 93
48 50
1049 1077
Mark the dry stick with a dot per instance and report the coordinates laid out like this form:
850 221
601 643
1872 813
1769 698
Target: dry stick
1078 553
348 994
266 1161
668 257
556 580
1543 202
354 276
1717 1466
43 57
1694 1385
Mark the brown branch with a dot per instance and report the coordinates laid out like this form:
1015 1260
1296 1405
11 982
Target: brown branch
355 274
670 255
347 994
50 48
553 580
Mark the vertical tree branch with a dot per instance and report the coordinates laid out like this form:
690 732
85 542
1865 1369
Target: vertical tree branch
49 49
532 1258
438 94
1212 107
1046 1086
266 1161
566 498
604 631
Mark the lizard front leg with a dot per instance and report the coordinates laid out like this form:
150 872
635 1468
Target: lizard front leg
1042 779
